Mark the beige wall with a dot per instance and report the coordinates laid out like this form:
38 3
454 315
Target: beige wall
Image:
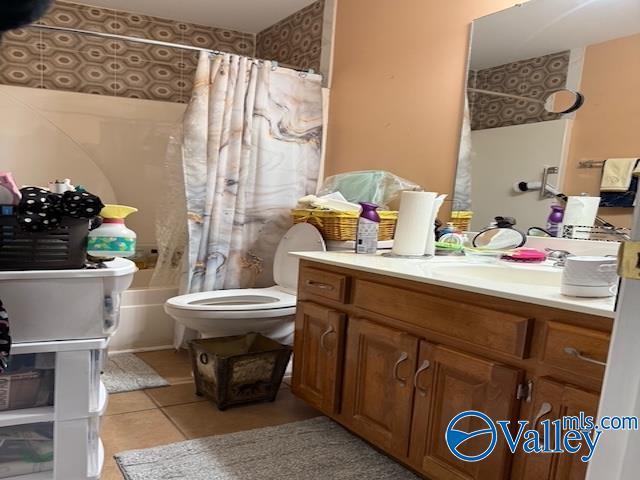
397 87
607 125
115 147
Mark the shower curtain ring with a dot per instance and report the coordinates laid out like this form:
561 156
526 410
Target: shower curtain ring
274 65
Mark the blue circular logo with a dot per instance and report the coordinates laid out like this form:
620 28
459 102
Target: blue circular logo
456 438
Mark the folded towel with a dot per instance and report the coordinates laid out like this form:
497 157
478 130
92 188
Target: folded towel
616 174
624 199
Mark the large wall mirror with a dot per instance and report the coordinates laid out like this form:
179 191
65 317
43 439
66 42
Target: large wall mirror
553 90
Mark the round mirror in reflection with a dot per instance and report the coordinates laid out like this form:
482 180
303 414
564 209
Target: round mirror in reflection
499 239
538 232
564 101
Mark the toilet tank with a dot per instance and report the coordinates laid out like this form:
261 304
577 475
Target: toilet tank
46 305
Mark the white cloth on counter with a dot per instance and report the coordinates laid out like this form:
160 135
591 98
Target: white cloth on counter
333 201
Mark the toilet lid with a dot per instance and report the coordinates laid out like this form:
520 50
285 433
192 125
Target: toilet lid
302 237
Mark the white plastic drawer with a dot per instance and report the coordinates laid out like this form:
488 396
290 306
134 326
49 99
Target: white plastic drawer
26 449
79 392
96 389
28 382
78 449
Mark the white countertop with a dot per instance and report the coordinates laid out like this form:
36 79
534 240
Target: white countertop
426 271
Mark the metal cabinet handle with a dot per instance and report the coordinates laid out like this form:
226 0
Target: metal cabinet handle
403 357
574 352
324 336
320 285
544 410
425 366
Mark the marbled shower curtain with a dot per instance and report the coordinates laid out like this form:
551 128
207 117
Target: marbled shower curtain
251 146
462 188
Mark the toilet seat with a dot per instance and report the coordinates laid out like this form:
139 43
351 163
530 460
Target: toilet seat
237 303
242 299
253 303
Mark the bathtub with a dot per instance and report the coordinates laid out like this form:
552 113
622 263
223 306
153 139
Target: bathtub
143 323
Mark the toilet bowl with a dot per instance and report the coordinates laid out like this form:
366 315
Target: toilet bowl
269 311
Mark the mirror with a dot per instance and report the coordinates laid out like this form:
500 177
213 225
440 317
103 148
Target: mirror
538 232
560 101
552 93
499 239
564 101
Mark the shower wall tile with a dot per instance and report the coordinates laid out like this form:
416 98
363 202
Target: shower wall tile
81 63
534 77
296 40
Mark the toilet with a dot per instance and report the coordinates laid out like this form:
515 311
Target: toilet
269 311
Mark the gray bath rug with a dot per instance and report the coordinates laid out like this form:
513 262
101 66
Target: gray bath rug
316 449
125 372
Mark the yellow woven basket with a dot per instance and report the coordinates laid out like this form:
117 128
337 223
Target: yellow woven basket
461 219
342 226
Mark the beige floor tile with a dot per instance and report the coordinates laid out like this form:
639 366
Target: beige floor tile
129 431
203 418
128 402
111 472
174 395
174 366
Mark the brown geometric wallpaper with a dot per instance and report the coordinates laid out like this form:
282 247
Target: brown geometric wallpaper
535 77
82 63
295 41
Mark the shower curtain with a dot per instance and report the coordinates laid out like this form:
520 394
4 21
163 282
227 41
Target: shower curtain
462 189
250 146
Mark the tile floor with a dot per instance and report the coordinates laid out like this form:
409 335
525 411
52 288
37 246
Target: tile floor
158 416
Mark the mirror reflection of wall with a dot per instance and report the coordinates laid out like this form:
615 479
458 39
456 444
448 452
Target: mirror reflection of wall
526 64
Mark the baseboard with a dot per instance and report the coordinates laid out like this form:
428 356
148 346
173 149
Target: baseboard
142 349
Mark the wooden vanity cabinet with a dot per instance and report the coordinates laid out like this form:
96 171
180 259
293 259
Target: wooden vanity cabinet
379 368
377 355
318 350
446 383
550 401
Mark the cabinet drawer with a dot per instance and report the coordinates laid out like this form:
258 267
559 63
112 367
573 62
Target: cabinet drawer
579 350
492 329
332 286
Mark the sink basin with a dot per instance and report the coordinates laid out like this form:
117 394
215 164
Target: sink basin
534 275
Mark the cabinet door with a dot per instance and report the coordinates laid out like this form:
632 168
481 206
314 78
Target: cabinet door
317 360
553 400
447 383
378 396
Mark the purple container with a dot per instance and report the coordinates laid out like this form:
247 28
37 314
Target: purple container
555 220
369 211
368 226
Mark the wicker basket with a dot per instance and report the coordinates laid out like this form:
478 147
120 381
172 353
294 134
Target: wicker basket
461 219
342 226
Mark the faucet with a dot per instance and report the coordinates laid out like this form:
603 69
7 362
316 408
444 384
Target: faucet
560 256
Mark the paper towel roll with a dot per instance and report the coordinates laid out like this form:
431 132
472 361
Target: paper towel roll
581 211
413 224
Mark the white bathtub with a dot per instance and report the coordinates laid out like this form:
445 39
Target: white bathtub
143 323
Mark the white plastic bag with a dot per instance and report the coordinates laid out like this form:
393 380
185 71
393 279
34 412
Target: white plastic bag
375 186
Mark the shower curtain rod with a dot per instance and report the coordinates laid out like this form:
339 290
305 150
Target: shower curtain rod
159 43
506 95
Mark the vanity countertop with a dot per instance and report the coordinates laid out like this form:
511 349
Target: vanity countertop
431 271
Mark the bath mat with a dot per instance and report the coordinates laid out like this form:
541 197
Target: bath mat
125 372
316 449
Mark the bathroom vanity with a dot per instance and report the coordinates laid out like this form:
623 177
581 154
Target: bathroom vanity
393 350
